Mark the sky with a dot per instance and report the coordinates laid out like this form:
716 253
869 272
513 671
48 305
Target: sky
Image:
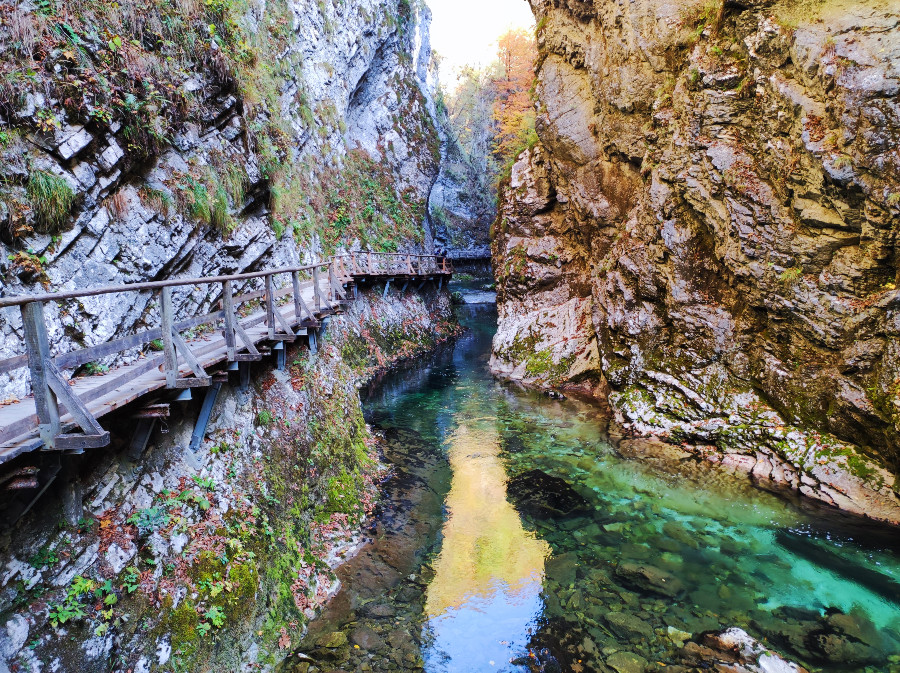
465 32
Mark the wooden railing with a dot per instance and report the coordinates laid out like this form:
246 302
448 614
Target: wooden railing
390 264
319 292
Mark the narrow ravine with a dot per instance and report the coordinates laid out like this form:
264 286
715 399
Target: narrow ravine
514 537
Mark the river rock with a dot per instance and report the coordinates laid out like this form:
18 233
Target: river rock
628 626
677 531
540 494
733 650
378 610
562 569
651 448
627 662
332 640
366 639
650 578
855 625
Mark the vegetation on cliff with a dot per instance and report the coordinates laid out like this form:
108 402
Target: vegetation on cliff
136 80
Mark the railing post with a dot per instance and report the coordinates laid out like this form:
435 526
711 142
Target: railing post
38 348
170 355
316 291
369 262
228 307
295 282
270 306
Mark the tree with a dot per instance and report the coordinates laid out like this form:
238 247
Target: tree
513 106
491 111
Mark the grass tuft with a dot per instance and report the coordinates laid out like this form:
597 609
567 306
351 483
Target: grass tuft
51 201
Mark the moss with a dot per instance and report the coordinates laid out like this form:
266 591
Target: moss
180 623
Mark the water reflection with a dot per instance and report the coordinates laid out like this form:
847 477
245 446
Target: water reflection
485 597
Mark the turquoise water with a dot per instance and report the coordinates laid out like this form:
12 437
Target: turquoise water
530 544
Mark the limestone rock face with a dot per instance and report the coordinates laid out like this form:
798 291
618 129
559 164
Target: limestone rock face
354 74
707 232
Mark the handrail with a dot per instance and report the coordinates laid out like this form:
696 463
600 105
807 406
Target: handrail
6 302
51 391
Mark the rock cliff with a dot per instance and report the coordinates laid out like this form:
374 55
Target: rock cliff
152 139
706 233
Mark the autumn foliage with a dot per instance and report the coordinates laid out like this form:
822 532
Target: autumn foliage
513 113
492 112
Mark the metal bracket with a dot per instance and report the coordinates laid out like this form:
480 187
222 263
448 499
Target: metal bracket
209 402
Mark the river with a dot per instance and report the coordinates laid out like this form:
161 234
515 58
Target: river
513 537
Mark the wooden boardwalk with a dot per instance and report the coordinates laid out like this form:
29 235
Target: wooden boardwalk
62 415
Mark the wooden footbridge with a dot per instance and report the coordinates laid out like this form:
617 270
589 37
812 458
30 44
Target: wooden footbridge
62 414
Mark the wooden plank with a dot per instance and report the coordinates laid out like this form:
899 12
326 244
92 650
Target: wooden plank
114 379
77 358
141 287
317 296
298 294
248 342
284 325
12 364
154 411
79 442
270 306
73 403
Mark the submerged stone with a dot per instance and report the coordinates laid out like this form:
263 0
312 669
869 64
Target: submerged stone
627 662
628 626
378 610
366 639
332 640
650 578
540 494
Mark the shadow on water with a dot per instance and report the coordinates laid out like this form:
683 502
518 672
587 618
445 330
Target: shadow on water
513 538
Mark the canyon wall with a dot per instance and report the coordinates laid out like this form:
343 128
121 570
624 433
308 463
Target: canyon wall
154 140
706 233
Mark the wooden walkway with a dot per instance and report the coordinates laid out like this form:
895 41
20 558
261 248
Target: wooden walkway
62 415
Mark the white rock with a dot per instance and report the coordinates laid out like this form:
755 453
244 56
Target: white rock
163 652
77 139
111 156
118 558
14 636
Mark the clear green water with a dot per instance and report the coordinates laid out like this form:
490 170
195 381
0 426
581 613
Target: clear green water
513 527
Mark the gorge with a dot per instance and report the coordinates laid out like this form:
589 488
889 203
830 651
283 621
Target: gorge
671 446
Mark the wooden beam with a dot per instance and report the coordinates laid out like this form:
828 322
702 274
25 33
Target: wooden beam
74 405
189 357
317 295
38 349
270 306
